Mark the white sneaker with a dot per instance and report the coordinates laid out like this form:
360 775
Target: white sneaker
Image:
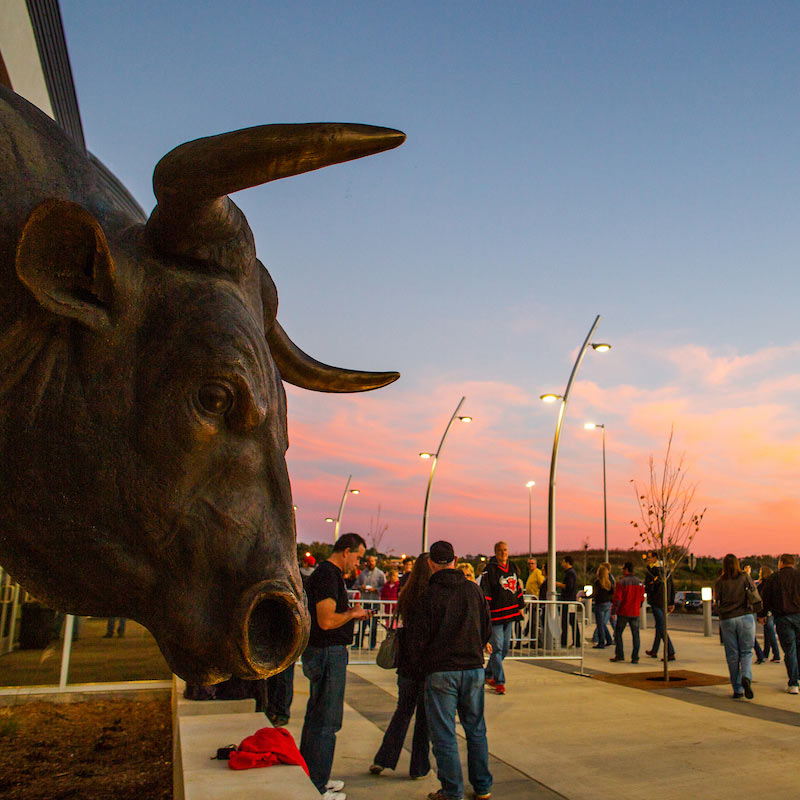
793 689
331 795
334 786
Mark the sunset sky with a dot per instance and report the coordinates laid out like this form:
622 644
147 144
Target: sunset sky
637 160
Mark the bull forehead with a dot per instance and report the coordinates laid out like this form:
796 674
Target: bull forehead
204 327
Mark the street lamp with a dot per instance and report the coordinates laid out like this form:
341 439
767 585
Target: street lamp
530 485
590 426
600 347
338 519
435 457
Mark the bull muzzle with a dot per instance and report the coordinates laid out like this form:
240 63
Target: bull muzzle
273 629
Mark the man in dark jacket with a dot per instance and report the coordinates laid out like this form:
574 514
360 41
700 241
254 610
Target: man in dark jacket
654 588
456 621
502 587
569 591
780 593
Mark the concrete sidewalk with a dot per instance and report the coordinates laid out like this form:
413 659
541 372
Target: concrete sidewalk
557 734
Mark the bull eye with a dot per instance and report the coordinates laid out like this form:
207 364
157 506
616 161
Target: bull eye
215 398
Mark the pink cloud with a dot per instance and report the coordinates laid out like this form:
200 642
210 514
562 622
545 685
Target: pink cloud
734 416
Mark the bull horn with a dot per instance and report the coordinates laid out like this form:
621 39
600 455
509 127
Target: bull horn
191 182
300 369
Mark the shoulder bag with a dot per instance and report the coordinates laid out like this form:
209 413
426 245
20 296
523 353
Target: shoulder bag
387 657
754 602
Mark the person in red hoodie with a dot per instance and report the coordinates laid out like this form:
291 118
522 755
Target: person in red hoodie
502 587
628 597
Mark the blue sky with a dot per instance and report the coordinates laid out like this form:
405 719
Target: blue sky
632 159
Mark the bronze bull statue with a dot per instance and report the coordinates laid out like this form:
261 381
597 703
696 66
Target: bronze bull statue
143 425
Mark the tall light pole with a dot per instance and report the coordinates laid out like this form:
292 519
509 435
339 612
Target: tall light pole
530 485
338 520
435 457
590 426
600 347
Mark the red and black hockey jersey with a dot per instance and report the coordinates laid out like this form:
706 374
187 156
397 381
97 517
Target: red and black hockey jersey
503 590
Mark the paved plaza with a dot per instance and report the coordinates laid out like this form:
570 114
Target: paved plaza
556 734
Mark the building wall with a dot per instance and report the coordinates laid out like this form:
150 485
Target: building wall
21 55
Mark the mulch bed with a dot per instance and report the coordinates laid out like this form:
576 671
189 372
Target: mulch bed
679 678
101 750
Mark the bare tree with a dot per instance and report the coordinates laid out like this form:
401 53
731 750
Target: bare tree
668 524
377 530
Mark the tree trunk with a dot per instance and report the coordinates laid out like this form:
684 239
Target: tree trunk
666 623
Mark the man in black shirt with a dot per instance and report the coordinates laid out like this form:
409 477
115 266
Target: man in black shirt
569 591
325 659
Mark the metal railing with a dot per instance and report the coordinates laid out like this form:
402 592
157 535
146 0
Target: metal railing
537 636
550 629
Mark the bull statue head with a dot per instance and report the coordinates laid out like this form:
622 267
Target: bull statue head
143 426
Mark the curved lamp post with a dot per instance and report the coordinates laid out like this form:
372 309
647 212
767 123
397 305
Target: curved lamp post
435 457
529 485
590 426
338 520
600 347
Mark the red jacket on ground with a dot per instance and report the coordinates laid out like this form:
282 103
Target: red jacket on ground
265 748
628 596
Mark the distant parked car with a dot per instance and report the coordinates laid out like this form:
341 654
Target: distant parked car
688 601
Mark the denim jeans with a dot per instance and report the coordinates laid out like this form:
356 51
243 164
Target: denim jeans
410 699
788 626
602 613
446 693
770 639
659 618
280 693
326 669
620 627
738 635
500 641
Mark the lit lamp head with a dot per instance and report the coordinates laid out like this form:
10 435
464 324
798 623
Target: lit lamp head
588 589
590 426
465 419
355 491
426 455
550 398
530 484
329 519
601 347
705 593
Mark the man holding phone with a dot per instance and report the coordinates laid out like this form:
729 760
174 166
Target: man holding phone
325 660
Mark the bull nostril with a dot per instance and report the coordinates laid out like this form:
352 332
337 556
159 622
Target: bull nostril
274 631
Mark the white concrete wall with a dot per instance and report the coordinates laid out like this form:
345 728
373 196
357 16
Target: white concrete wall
18 46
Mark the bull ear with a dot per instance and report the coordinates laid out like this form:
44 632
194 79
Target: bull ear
64 259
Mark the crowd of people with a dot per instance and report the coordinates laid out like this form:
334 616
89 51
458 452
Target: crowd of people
444 630
447 620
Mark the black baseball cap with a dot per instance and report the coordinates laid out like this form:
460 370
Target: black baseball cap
442 553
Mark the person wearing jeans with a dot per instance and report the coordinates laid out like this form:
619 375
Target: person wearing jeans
770 639
456 624
737 624
780 593
446 693
654 587
628 598
502 588
325 660
602 594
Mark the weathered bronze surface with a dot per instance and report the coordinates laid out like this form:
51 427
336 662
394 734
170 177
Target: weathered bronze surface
143 418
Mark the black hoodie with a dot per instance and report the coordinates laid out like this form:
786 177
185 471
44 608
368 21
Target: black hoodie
456 623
